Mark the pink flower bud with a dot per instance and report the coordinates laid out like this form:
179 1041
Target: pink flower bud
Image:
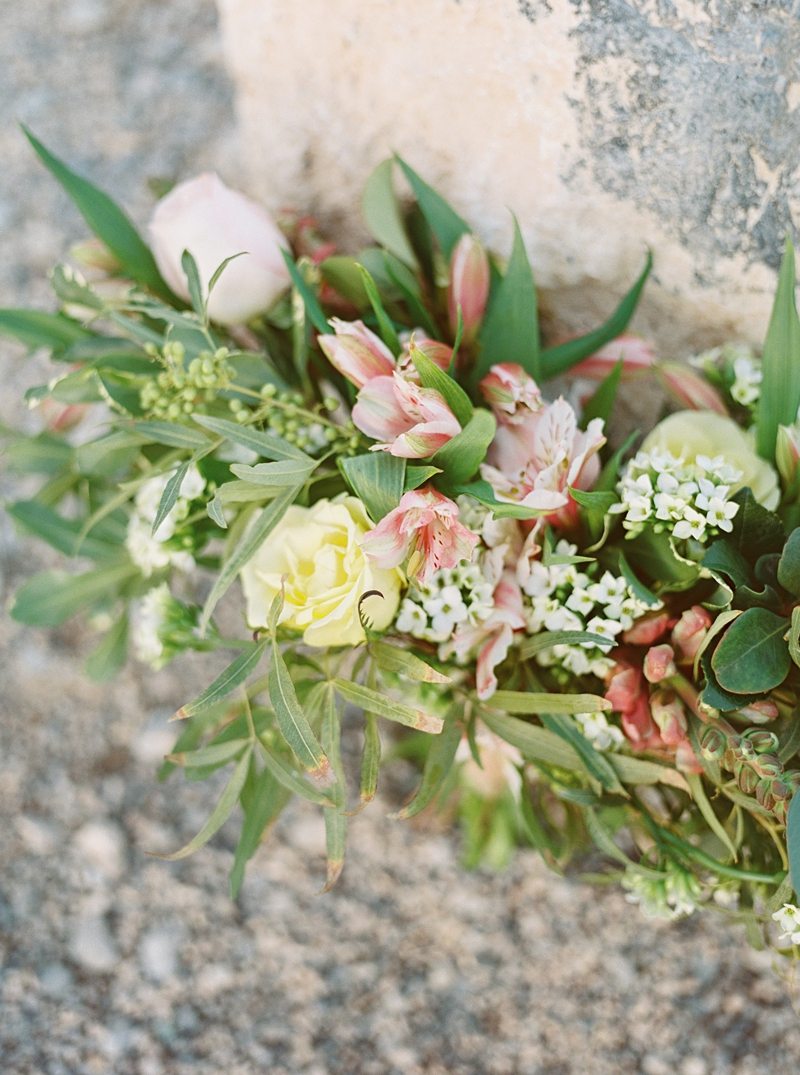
409 421
669 715
511 392
356 352
439 353
659 663
637 356
469 285
689 388
648 629
61 417
760 712
787 453
686 759
627 693
689 632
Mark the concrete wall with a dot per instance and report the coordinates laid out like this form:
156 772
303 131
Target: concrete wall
606 125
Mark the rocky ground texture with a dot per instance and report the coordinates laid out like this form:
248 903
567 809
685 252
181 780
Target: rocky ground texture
116 962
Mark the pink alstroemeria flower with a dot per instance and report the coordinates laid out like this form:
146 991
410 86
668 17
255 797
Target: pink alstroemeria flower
536 461
469 285
424 527
439 353
409 421
636 353
356 352
511 392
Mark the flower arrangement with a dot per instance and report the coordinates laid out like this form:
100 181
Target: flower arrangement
590 643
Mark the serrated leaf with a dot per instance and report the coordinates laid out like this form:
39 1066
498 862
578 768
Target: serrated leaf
780 361
293 723
547 639
510 330
557 360
441 755
335 818
48 599
252 540
395 659
444 222
107 221
267 445
382 214
35 328
752 656
435 378
378 479
282 472
460 457
374 702
535 703
222 811
228 680
313 308
106 660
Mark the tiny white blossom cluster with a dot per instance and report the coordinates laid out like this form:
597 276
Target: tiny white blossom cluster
161 626
662 492
451 597
788 918
675 895
598 731
564 598
739 365
152 552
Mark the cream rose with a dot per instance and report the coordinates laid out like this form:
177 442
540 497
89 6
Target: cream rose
688 434
318 549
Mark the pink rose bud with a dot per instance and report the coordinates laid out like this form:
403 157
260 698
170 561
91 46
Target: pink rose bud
686 759
424 527
669 715
659 663
648 629
690 388
637 356
213 223
787 453
469 285
356 352
689 632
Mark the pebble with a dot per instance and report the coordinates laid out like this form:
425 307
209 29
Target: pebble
102 844
92 946
158 954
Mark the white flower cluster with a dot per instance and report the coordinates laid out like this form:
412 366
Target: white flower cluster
161 627
151 552
739 365
597 730
674 896
788 918
564 598
451 597
661 491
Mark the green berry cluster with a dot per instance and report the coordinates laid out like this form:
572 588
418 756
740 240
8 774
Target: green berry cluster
180 390
286 415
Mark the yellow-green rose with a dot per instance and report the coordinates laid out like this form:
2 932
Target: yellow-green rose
318 550
688 434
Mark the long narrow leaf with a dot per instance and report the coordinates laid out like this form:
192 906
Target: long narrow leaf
313 308
377 703
387 329
216 754
35 328
294 724
438 764
268 799
290 778
282 472
267 445
172 434
370 760
444 222
780 361
601 403
596 764
528 702
695 782
382 214
335 818
232 677
432 376
547 639
395 659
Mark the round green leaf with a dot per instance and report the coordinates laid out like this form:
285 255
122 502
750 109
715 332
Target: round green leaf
753 655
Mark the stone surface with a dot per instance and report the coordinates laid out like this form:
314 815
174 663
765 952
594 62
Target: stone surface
411 966
606 125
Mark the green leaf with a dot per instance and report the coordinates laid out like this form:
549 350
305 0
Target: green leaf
45 454
35 328
226 682
377 479
266 802
432 377
714 695
695 782
530 702
222 811
169 497
722 559
344 275
444 222
501 509
212 283
172 434
192 273
394 659
387 329
60 533
335 818
284 472
289 777
370 760
382 214
753 656
267 445
252 540
557 360
510 331
313 308
216 754
48 599
377 703
789 566
794 636
110 655
293 722
793 840
780 362
417 476
602 402
756 530
108 222
70 287
638 588
608 475
441 755
654 555
460 458
406 283
547 639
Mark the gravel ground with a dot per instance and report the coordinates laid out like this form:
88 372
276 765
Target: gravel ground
114 962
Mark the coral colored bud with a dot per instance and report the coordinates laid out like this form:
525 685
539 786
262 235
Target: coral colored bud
686 759
469 285
760 712
511 392
647 630
637 355
689 388
787 453
61 417
689 632
659 663
669 715
713 743
356 352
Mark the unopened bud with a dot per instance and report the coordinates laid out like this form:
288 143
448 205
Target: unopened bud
689 388
94 254
787 453
760 712
689 632
792 778
781 790
768 765
713 743
746 778
647 630
764 794
659 663
469 285
763 741
669 715
636 353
